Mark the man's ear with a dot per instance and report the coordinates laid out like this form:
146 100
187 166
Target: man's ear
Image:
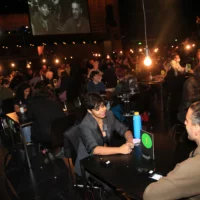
89 111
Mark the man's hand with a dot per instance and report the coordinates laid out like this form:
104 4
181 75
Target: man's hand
130 141
125 148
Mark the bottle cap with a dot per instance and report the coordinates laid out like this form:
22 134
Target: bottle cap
136 113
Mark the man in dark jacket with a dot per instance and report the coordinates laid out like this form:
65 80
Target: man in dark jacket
191 93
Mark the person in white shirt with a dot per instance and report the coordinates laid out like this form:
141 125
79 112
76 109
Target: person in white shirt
175 64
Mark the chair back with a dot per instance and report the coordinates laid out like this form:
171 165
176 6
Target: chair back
71 142
58 127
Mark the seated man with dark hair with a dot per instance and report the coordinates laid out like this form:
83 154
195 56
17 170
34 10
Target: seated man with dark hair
184 180
191 93
96 131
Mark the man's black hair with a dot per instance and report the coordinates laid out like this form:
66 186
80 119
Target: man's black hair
93 101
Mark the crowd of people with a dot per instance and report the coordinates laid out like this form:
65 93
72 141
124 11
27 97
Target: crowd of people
44 93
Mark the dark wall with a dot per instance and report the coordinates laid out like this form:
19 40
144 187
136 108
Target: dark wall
166 19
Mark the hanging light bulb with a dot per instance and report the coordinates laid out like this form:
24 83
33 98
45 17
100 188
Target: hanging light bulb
147 60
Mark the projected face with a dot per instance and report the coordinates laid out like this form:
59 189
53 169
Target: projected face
76 10
44 10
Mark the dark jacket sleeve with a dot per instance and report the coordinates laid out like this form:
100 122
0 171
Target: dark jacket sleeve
117 126
191 91
88 138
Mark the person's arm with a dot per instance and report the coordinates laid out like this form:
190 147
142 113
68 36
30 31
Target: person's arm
92 147
129 136
102 150
121 129
182 182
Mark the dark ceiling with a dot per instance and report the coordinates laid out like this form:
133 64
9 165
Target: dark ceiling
13 6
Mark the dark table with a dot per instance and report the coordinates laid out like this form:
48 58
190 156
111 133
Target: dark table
123 172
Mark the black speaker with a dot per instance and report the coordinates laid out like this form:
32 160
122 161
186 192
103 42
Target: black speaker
109 16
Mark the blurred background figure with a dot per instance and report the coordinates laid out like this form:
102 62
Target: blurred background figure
95 84
22 97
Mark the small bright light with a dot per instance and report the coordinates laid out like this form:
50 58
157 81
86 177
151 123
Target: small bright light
131 50
188 47
73 42
156 50
113 52
26 26
64 43
57 60
139 43
6 47
71 57
44 60
121 52
1 68
3 47
147 61
176 40
83 42
65 58
108 57
44 44
8 32
28 66
12 64
30 63
140 50
193 45
172 46
176 47
99 55
95 42
55 43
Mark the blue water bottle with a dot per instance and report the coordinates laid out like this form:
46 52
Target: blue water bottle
137 124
